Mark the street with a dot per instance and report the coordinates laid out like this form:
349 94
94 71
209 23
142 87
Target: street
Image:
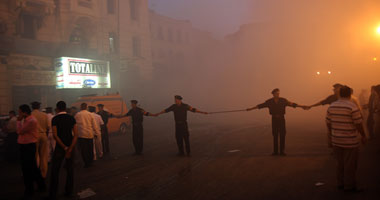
228 162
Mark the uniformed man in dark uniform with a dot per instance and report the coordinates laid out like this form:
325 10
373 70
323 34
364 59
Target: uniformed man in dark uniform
104 129
181 129
277 106
137 115
330 99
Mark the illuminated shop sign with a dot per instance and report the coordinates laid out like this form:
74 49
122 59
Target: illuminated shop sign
82 73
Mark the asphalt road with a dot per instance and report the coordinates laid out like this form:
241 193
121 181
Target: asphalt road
213 172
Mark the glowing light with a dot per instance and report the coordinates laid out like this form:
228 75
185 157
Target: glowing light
378 30
329 72
318 73
374 59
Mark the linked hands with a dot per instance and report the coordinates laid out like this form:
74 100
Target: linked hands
253 108
303 107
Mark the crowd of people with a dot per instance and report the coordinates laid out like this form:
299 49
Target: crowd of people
40 137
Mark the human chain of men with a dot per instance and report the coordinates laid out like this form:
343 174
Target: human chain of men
276 105
344 121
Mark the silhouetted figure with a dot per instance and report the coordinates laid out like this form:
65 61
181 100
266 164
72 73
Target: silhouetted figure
98 145
181 129
344 121
51 140
277 107
330 99
104 128
137 115
370 107
86 128
11 146
27 130
66 135
43 143
376 111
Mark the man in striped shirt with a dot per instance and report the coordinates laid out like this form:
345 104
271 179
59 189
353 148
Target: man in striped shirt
345 122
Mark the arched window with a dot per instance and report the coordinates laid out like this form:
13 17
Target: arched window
82 32
77 35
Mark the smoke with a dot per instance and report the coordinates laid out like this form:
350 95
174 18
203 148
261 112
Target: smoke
286 44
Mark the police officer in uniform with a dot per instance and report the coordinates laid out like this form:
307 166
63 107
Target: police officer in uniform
104 129
277 106
330 99
181 129
137 115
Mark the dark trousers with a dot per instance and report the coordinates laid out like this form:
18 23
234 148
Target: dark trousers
138 137
86 147
12 150
278 129
370 125
30 171
182 134
58 157
347 164
105 139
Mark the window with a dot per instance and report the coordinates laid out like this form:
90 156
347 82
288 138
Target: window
136 47
179 36
113 43
77 36
170 35
187 38
28 27
85 3
160 34
111 6
133 4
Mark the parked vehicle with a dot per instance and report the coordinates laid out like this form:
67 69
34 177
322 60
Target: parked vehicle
115 105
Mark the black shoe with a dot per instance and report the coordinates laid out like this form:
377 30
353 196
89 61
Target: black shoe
87 165
274 154
353 190
282 154
69 195
26 197
42 189
180 154
49 198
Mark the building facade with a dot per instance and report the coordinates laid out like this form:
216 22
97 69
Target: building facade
135 48
176 43
33 33
141 47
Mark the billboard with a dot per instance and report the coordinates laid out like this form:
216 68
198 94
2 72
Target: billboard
75 73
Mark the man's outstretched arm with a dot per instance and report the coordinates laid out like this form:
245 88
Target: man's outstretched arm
259 106
295 105
149 114
253 108
196 110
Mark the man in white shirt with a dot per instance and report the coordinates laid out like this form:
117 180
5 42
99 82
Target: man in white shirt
42 145
86 128
51 140
98 147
